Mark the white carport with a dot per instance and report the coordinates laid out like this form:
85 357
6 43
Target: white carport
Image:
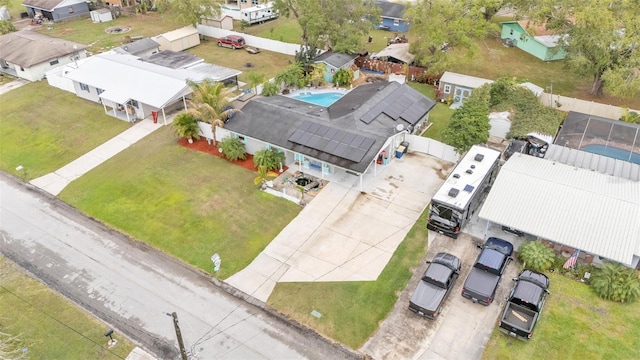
581 208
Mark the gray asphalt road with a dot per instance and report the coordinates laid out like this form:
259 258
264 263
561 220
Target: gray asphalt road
132 287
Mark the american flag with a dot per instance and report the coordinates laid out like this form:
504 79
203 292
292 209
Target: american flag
571 262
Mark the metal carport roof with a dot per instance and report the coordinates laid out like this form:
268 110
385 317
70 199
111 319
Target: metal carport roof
581 208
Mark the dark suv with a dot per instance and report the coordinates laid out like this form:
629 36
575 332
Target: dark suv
232 41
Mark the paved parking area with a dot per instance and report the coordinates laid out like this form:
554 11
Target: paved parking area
461 330
345 234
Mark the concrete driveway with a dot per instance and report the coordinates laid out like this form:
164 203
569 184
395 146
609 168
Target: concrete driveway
462 328
345 234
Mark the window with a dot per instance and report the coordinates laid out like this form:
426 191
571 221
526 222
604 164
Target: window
53 62
255 2
70 10
242 138
267 147
447 89
100 91
84 87
134 103
396 22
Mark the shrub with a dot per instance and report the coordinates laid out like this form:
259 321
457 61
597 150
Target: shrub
187 126
232 148
343 77
269 89
536 256
269 159
616 282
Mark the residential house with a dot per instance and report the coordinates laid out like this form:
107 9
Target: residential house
56 10
535 40
392 16
131 88
179 39
29 55
580 207
458 87
347 140
335 61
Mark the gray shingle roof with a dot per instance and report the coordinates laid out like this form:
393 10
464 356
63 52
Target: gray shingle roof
335 59
276 119
391 10
27 48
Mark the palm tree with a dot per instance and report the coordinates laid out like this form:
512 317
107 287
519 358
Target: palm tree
254 79
187 126
209 104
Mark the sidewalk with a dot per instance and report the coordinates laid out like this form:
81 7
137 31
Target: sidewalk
56 181
5 88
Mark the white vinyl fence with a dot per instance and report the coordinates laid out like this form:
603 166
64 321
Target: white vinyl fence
253 41
432 147
567 104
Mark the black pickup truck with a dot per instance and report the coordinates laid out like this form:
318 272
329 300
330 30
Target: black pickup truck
485 275
435 285
524 305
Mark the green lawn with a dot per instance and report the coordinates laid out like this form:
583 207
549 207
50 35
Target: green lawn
48 325
439 116
352 311
43 128
84 31
575 324
281 29
266 62
184 202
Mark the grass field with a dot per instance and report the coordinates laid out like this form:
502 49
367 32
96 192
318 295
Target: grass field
43 128
575 324
266 62
439 116
184 202
352 311
48 325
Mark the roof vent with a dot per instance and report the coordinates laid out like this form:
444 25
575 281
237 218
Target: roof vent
457 176
453 192
478 157
473 166
469 171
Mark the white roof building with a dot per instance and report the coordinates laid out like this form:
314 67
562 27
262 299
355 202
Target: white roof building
581 208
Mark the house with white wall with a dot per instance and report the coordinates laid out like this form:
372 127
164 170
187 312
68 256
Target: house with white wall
29 55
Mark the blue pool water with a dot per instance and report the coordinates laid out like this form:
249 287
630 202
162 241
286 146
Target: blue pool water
613 152
322 99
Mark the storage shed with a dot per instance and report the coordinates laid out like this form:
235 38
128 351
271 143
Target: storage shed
179 39
458 87
101 15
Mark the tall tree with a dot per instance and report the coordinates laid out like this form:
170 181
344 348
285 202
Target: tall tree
339 24
191 11
469 124
209 104
602 39
445 24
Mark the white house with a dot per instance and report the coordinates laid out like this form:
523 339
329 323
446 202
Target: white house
29 55
131 88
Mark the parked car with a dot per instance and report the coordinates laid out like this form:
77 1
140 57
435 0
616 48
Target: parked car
435 285
524 305
485 275
232 41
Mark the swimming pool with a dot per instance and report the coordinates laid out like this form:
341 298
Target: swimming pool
323 99
613 152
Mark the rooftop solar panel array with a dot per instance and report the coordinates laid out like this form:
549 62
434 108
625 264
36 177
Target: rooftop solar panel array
403 104
333 141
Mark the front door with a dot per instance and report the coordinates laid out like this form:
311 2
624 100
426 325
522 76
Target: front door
460 94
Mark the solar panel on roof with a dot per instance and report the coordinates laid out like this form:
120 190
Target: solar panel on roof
313 128
366 144
305 138
357 141
322 130
331 133
348 138
296 136
468 188
305 125
313 142
331 146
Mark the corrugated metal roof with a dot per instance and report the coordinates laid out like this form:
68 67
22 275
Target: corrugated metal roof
594 212
464 80
398 51
599 163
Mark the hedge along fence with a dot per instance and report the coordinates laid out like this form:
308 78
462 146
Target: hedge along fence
253 41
